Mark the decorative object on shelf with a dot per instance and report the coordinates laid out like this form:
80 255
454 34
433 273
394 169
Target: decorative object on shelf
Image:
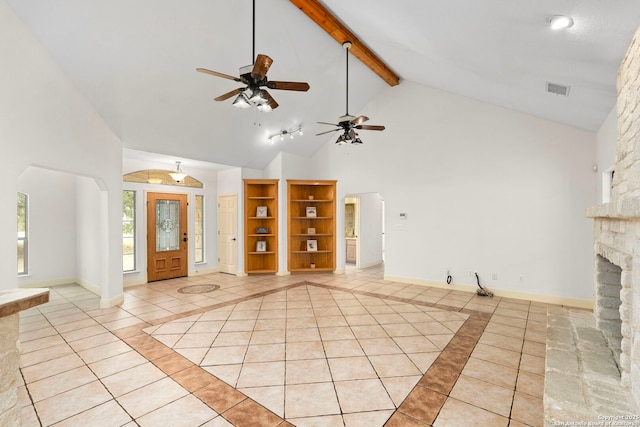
312 245
261 246
262 230
178 175
311 211
254 76
349 123
311 230
285 132
312 265
261 211
311 197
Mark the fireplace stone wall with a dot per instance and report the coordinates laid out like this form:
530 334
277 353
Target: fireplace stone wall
617 231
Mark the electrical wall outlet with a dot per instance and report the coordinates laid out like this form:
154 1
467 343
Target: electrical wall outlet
494 276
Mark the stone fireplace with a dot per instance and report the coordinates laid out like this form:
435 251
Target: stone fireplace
617 232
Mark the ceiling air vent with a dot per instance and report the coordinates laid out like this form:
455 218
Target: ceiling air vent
558 89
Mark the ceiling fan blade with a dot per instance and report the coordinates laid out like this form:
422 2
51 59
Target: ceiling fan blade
272 102
261 66
370 127
329 131
297 86
217 74
330 124
359 120
230 94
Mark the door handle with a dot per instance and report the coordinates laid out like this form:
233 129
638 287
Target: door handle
184 239
233 239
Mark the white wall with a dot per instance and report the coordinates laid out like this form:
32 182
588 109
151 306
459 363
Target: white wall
90 242
52 227
486 189
46 122
606 142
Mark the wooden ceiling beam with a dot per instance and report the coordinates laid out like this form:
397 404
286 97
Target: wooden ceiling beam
325 20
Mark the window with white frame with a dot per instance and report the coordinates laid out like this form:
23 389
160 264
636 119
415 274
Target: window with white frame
23 234
199 230
128 230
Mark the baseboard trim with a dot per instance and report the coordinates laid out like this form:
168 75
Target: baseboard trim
112 302
548 299
49 283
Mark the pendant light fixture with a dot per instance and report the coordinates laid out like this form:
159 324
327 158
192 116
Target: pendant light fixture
178 175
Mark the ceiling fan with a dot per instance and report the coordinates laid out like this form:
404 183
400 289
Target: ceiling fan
349 123
254 76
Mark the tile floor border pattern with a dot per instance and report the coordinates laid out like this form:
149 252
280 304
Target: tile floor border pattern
420 407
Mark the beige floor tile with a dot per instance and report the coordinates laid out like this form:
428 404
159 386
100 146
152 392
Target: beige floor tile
343 348
324 421
415 344
104 351
45 354
225 355
274 336
351 368
394 365
363 395
459 414
368 331
186 411
501 341
51 367
57 384
41 343
527 409
307 371
109 413
308 400
261 374
131 379
336 333
496 355
206 340
530 384
151 397
491 372
72 402
483 395
532 364
118 363
93 341
366 419
265 353
377 346
304 350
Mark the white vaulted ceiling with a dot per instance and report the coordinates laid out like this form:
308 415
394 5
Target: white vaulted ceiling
135 61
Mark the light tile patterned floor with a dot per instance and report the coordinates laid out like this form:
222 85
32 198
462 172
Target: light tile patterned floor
305 350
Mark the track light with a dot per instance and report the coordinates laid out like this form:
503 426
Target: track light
560 22
282 133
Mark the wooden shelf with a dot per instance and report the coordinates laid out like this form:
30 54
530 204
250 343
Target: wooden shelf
260 193
324 202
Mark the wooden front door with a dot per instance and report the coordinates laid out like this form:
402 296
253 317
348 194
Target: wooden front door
167 245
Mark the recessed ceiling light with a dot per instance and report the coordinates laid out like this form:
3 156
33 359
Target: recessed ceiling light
559 22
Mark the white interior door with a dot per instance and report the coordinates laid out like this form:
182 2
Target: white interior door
228 234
